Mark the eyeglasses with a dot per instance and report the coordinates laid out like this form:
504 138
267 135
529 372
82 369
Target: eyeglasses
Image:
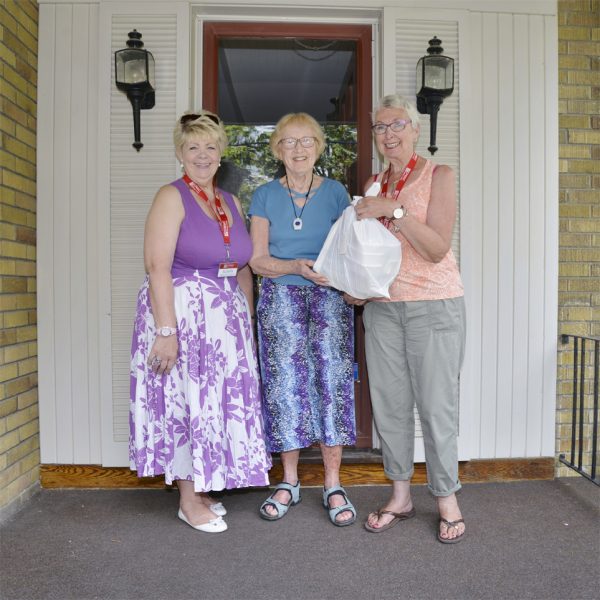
290 143
185 119
381 128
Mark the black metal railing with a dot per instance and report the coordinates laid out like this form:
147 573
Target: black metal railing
584 421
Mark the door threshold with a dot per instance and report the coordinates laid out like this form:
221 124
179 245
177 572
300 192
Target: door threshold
350 455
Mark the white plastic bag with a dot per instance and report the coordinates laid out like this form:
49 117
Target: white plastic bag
361 258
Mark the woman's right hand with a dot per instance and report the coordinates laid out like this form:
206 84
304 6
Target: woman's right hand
163 354
304 268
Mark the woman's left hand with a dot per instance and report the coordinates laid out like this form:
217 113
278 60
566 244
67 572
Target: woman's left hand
163 354
354 301
373 207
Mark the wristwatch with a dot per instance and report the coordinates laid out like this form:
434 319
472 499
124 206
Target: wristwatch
400 212
166 331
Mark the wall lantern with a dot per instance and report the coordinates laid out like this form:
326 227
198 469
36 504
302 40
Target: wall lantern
435 81
134 74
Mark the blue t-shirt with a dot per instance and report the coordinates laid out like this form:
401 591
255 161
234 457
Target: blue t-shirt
272 202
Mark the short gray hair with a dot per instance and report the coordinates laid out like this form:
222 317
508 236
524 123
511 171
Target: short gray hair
397 101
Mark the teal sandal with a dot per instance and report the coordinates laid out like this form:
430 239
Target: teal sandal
295 498
335 511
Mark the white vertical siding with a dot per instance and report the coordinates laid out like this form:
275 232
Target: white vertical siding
516 151
69 399
506 216
507 202
499 131
491 235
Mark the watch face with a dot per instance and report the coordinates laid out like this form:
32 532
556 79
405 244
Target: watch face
398 213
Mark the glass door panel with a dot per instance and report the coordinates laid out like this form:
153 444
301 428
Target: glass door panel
260 80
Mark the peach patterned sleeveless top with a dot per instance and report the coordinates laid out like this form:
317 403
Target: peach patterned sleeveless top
420 279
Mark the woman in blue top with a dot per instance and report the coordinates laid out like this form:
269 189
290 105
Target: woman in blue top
305 329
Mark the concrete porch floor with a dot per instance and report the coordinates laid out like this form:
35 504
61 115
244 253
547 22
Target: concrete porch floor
535 539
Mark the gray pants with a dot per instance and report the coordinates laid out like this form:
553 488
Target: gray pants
414 354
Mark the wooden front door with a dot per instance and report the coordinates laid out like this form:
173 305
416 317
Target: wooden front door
254 73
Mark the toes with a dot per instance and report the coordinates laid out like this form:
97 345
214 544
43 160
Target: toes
372 520
451 532
344 516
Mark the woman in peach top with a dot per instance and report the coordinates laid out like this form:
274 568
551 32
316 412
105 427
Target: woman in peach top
415 340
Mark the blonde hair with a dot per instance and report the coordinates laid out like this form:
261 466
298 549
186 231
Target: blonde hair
300 118
199 125
397 101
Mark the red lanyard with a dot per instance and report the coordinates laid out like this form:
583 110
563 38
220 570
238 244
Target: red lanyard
220 213
400 184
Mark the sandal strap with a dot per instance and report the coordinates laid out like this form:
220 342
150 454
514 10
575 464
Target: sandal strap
283 487
336 490
336 510
453 524
278 506
382 511
281 507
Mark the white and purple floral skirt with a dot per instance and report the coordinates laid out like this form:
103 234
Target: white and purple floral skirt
202 422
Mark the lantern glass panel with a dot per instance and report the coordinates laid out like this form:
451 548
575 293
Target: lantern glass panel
131 66
151 69
135 71
438 73
420 74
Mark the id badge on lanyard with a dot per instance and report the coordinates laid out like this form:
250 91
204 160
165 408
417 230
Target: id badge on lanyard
227 267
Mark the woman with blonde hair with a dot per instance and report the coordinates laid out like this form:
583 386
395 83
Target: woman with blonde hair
195 394
305 330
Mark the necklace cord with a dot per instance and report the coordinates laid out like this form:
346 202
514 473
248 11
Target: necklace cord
305 197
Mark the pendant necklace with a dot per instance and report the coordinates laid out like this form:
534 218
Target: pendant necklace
297 222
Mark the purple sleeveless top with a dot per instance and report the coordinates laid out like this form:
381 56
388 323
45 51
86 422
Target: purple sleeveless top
200 246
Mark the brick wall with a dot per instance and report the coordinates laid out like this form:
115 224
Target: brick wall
579 208
19 426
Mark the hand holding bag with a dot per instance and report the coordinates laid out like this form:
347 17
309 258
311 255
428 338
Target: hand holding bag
361 258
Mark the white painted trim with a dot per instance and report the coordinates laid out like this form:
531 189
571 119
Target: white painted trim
45 235
62 219
471 219
93 259
546 7
506 252
109 456
537 208
469 208
551 238
295 15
